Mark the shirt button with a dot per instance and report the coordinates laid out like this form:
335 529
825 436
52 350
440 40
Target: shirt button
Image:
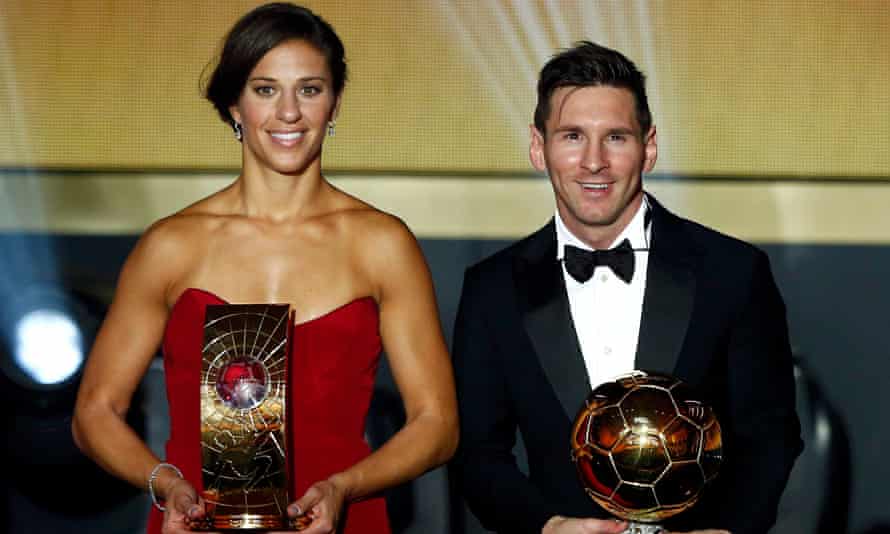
607 350
604 277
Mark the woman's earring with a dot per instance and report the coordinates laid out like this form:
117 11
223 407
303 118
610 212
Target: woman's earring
331 125
239 133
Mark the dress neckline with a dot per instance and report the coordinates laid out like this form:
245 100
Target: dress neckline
324 315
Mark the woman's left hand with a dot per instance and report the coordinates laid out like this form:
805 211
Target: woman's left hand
320 506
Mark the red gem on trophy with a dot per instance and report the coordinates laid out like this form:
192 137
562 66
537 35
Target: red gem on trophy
242 383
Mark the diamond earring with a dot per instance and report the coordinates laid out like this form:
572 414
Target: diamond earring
239 132
331 125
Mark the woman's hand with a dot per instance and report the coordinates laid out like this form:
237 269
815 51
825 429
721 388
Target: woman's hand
183 507
573 525
320 507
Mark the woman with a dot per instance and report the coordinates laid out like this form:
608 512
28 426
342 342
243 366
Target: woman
280 233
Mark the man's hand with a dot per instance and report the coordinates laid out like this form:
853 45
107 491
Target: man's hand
571 525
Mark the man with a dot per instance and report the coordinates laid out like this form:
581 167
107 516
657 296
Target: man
535 331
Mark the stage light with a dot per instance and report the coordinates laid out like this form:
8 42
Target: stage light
46 332
48 346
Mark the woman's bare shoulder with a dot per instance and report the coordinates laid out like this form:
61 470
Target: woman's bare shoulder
382 242
170 245
179 229
194 221
367 223
214 205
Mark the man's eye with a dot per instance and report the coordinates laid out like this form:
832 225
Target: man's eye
616 138
572 136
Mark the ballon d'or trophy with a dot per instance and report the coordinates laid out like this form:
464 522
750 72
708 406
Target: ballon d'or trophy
645 447
245 463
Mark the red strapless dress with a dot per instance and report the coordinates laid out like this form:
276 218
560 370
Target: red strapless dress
335 360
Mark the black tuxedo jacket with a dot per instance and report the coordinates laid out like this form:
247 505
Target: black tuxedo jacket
712 316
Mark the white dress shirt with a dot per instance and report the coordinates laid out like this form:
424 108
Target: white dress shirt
605 310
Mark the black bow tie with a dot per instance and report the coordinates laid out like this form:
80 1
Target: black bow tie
580 262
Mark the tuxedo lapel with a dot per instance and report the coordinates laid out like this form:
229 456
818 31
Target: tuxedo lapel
670 288
548 321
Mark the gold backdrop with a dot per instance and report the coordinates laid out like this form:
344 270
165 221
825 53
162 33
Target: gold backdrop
758 88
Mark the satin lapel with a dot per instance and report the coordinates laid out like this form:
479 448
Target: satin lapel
670 289
548 320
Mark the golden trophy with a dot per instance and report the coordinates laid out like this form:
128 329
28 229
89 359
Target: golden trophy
645 447
244 455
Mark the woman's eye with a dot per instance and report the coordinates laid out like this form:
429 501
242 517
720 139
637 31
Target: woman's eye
264 90
310 90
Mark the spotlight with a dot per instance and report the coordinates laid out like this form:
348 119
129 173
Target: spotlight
46 332
48 347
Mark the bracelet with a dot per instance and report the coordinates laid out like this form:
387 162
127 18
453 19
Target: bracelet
153 476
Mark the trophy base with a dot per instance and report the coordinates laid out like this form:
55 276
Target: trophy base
250 523
643 528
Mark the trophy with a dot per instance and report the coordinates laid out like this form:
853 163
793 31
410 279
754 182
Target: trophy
645 448
244 455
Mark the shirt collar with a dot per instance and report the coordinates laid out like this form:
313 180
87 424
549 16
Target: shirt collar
637 232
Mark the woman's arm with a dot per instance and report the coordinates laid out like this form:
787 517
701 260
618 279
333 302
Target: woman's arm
412 339
121 354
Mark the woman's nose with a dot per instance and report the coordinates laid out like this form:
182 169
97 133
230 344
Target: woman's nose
288 108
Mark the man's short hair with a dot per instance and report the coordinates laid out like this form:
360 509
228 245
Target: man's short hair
588 64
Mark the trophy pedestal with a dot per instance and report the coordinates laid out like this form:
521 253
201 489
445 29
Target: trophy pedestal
244 522
249 523
643 528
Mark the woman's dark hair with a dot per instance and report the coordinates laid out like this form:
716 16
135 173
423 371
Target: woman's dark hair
588 64
261 30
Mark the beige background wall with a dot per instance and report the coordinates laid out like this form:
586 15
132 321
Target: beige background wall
756 88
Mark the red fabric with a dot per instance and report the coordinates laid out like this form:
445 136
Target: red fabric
334 362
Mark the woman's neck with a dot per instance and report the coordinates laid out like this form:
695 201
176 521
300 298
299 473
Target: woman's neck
262 193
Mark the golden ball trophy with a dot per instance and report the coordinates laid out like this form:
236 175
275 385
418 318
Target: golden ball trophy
645 447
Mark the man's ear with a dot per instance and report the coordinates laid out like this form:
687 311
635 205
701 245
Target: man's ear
651 148
536 149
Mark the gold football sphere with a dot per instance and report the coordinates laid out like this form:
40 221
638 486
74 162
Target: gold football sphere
645 446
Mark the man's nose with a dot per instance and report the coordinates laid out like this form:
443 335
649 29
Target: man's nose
593 158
